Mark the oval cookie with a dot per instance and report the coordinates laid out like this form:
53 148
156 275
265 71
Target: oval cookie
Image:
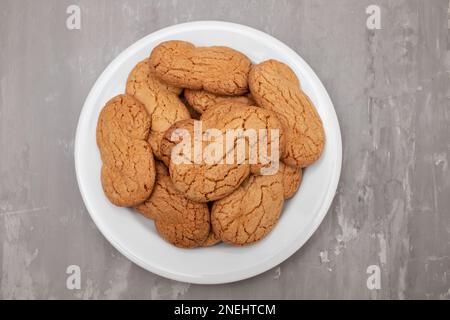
219 70
128 171
249 213
274 87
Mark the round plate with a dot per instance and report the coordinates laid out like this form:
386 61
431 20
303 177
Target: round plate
136 237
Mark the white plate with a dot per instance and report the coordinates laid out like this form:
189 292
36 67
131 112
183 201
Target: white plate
136 238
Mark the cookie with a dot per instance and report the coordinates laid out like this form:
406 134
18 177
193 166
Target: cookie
241 116
275 87
161 101
201 100
167 143
248 214
194 113
180 221
292 179
128 171
212 240
204 181
219 70
147 209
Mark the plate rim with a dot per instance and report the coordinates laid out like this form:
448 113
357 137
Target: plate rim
280 256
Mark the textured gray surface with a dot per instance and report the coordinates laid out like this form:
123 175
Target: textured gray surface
391 91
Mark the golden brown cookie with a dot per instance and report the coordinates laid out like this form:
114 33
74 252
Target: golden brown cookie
201 100
162 102
212 240
180 221
167 143
219 70
200 182
128 171
194 114
292 179
205 181
274 87
242 116
249 213
147 209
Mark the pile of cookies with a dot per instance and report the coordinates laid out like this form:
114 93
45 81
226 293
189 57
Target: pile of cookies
199 204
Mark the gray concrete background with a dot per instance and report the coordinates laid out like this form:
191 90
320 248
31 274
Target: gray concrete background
391 90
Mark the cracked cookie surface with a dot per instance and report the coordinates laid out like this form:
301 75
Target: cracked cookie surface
205 181
249 213
147 208
161 101
128 170
219 70
180 221
275 87
233 115
212 240
201 100
167 143
292 179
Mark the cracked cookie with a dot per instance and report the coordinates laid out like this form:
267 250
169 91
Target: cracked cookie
212 240
233 115
201 100
275 87
219 70
147 208
292 179
162 102
248 214
167 144
194 114
128 171
205 181
202 182
180 221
